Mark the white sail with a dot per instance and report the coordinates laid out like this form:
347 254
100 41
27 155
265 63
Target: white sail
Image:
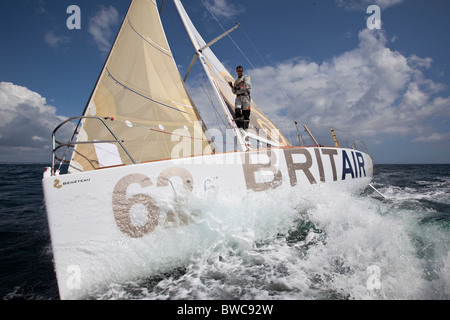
141 89
259 122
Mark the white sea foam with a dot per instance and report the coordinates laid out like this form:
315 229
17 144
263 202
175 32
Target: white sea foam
321 245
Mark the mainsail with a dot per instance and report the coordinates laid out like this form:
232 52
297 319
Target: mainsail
259 122
141 93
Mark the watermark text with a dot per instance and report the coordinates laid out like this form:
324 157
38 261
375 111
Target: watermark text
74 21
374 21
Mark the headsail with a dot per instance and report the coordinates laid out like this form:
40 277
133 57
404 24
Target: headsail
141 89
260 123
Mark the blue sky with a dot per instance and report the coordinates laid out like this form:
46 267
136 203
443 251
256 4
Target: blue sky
315 62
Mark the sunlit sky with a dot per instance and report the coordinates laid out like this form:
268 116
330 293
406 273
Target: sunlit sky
313 61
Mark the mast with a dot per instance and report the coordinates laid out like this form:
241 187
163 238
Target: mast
199 52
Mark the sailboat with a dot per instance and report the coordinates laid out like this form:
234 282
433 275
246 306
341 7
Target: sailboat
141 147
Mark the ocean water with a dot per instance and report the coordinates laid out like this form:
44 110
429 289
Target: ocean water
319 245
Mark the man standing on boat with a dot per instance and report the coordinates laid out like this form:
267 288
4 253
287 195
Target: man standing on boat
242 89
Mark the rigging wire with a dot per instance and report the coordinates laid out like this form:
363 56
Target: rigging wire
281 89
162 6
355 140
229 35
286 96
219 117
167 133
217 114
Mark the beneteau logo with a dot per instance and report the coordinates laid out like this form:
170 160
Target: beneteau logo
58 184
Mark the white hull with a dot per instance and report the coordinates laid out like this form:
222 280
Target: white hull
119 223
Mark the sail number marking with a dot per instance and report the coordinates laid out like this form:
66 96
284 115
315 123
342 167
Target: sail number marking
122 205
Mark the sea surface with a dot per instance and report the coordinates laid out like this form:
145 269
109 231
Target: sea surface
331 246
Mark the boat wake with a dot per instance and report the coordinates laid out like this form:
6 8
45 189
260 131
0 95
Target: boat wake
315 245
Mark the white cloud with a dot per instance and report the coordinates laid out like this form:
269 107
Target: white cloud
368 91
26 124
222 8
435 137
53 40
101 27
415 61
41 7
364 4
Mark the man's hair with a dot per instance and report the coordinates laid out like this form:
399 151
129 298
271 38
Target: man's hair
240 67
